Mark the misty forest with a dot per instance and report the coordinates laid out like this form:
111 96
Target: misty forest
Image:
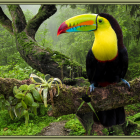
43 76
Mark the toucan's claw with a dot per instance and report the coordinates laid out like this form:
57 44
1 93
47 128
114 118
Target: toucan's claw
124 81
92 87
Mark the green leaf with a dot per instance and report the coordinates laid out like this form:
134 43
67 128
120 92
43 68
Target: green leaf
35 110
45 92
23 87
29 99
14 102
3 106
47 77
80 106
35 104
31 86
89 103
14 89
36 78
18 105
7 103
58 80
36 94
58 89
11 113
11 98
23 104
17 112
19 95
26 114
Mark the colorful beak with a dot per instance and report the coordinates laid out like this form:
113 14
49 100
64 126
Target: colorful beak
80 23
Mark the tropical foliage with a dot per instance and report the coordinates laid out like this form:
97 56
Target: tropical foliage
74 45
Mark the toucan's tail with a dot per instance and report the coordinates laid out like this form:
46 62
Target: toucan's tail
110 117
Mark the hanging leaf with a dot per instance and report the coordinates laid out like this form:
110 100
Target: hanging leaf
26 114
17 112
14 89
58 89
29 99
23 104
50 83
18 105
31 86
36 94
7 103
35 104
35 110
89 103
3 106
19 95
80 106
21 111
11 98
14 102
45 92
23 87
36 78
58 80
47 77
11 113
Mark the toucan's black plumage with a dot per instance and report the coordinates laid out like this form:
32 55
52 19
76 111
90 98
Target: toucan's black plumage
109 72
106 61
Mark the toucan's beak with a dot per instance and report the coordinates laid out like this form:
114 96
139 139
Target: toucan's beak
80 23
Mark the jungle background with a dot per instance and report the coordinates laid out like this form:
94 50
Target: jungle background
73 45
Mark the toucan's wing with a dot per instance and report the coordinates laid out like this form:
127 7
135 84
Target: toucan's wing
123 61
91 65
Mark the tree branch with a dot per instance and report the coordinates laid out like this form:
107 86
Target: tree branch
18 18
44 12
104 98
68 101
5 21
44 60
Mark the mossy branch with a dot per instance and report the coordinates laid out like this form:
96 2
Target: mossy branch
18 18
5 21
112 96
44 12
42 59
68 101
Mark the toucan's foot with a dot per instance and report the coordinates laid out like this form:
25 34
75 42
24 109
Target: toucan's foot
124 81
92 87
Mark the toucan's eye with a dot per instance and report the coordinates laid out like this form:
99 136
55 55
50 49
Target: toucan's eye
100 20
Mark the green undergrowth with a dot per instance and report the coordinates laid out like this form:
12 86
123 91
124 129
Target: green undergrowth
17 127
17 72
75 126
133 115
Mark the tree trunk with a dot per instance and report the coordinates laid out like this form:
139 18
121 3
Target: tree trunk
45 60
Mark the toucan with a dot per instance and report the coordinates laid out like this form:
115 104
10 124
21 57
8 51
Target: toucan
106 61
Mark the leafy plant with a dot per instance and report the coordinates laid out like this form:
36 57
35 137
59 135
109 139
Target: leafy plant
28 97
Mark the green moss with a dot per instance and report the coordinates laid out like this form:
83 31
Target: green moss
12 7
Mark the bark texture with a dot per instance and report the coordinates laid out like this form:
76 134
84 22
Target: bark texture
68 101
42 59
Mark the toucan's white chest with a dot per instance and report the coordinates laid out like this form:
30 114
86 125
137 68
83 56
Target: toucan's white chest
105 44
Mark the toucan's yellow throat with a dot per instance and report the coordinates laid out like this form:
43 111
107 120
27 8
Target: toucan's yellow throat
105 44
